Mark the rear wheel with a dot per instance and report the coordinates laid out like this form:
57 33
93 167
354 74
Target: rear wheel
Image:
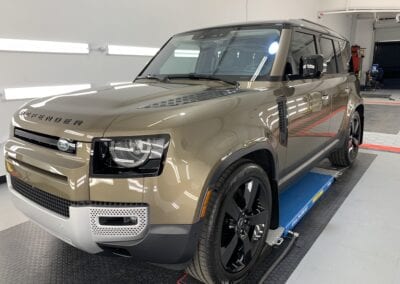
236 225
346 155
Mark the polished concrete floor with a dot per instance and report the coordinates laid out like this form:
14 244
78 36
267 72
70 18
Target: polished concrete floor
9 215
360 243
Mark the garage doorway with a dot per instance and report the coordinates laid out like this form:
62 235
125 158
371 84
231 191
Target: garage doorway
387 55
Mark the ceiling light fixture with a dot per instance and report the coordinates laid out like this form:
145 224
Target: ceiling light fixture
131 50
42 91
24 45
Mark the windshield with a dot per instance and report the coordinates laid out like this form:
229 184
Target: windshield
239 54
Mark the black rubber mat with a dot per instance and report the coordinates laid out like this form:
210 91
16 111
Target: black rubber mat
30 255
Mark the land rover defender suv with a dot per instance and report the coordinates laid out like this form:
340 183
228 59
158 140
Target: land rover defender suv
185 164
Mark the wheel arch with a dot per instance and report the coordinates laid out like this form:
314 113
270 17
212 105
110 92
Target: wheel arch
264 157
360 110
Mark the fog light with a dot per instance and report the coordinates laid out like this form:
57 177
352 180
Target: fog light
10 167
118 221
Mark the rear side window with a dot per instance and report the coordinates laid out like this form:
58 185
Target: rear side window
327 50
342 55
302 45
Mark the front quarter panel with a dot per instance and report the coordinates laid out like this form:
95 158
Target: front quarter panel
202 136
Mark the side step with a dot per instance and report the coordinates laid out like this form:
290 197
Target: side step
298 199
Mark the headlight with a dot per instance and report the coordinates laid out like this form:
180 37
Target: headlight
129 156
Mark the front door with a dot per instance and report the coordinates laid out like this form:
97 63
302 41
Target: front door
308 108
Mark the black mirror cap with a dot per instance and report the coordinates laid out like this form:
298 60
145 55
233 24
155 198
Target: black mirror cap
312 66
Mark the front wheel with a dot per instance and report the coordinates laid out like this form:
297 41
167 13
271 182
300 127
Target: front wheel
346 155
236 225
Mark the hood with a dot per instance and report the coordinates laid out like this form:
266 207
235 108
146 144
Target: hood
83 115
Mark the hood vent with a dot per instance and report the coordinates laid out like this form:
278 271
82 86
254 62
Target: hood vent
197 97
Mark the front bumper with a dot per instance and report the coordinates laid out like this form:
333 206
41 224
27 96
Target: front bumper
166 244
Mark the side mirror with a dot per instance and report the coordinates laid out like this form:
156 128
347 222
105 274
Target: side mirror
311 66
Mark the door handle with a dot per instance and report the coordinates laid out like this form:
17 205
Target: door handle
347 91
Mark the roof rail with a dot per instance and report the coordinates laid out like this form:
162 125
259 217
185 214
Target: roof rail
328 30
313 23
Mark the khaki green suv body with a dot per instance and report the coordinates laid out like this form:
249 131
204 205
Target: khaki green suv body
185 164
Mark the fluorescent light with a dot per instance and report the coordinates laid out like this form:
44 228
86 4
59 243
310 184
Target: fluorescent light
43 91
120 83
24 45
186 53
131 50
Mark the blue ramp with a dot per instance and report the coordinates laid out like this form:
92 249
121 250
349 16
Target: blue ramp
298 199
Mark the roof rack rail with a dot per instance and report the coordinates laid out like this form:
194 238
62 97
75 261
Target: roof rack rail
328 30
315 24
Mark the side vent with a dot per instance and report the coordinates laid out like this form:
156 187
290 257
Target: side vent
283 121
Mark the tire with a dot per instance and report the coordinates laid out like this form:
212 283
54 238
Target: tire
235 226
347 153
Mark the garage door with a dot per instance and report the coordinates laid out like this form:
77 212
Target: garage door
387 52
387 55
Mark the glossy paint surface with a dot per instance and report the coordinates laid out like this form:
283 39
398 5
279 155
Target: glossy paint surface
208 122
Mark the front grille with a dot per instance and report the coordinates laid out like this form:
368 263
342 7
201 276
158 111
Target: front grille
57 204
43 140
54 203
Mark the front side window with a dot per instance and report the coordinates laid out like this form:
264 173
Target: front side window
302 45
240 54
328 52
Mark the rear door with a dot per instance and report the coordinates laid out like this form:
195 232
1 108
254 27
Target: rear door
341 96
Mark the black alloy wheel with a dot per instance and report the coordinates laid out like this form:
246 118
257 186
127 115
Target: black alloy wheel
346 154
354 137
235 227
243 225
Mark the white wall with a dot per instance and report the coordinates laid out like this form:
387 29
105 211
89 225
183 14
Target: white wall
305 9
328 5
141 23
367 33
339 23
373 4
128 22
364 37
387 31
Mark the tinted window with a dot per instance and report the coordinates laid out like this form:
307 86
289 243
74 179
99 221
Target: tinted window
302 45
328 52
342 55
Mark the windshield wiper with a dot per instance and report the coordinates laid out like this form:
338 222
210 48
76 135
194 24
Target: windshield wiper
152 77
194 76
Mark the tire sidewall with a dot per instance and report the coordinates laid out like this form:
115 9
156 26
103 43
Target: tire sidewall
238 176
348 157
